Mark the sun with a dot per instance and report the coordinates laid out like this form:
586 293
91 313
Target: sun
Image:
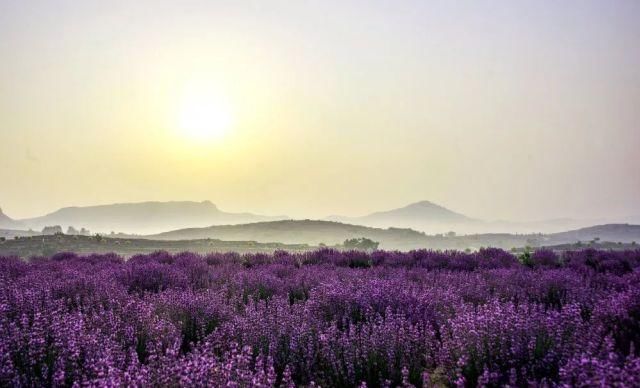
204 115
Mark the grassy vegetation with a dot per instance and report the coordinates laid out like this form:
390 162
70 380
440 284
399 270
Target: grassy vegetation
27 246
48 245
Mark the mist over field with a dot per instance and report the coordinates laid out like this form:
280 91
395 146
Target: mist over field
320 193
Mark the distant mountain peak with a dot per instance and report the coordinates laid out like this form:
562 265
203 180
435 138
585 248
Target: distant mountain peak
208 203
422 215
425 204
422 209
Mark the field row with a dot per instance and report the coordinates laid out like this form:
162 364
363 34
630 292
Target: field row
328 318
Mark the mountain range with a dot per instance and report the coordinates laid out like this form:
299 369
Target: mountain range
392 228
146 218
138 218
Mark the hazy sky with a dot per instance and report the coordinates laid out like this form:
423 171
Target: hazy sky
497 109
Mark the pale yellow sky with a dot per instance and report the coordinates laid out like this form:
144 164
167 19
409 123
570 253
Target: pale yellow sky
512 110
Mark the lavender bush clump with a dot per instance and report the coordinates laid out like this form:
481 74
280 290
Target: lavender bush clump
323 318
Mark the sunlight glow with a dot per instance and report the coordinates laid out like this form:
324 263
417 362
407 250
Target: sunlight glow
204 115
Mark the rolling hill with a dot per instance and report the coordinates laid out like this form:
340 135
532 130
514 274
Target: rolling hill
312 232
306 234
624 233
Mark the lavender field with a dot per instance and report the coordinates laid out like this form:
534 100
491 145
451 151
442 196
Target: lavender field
323 318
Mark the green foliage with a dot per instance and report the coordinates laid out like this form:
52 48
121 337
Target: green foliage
362 243
525 258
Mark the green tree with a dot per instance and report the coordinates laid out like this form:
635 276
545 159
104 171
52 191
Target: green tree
361 243
525 258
